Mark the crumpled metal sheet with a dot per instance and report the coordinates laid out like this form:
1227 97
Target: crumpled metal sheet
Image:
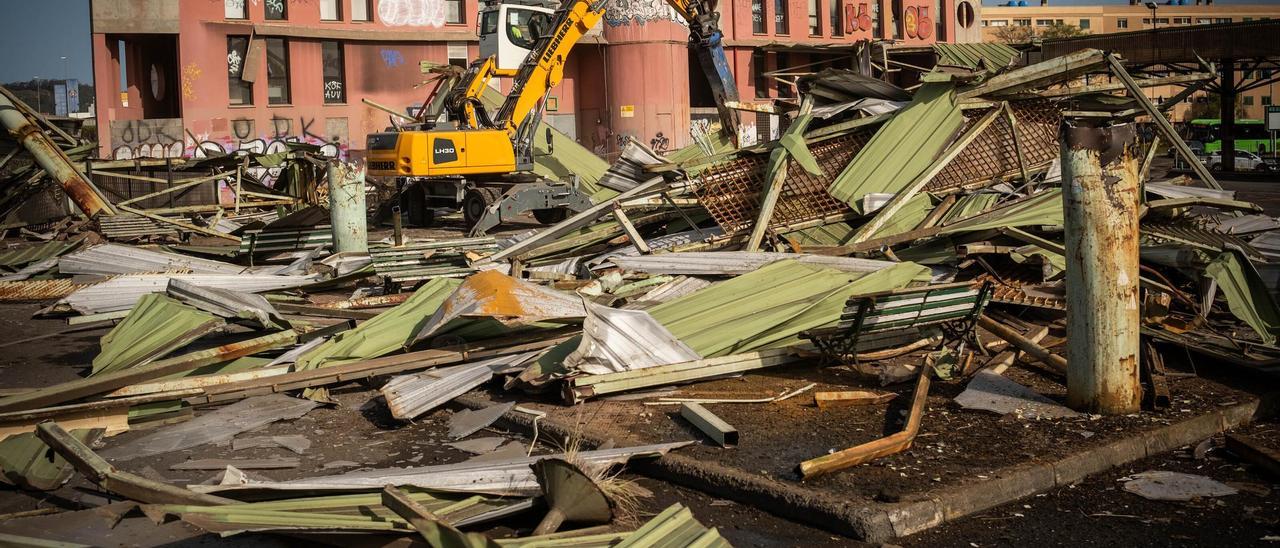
155 327
623 340
121 292
38 290
112 259
226 303
500 477
492 294
734 263
220 425
410 396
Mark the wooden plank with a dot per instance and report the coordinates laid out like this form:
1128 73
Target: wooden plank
872 450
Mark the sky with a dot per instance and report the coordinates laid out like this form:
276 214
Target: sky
36 34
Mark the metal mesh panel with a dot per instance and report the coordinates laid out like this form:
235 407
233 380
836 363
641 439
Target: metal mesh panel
992 155
731 191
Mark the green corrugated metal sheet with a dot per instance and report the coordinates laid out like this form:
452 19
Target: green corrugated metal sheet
30 464
909 217
1042 209
903 147
675 526
1246 293
769 308
385 333
838 233
156 326
968 206
992 56
23 256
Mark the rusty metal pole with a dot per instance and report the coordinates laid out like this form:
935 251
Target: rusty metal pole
48 156
347 208
1100 208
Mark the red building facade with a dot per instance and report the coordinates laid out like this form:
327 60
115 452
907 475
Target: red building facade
181 78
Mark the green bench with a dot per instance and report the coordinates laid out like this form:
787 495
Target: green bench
954 307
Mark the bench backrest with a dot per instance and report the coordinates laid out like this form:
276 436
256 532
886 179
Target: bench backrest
914 307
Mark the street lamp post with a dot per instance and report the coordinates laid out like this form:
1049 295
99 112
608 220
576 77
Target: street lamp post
1152 6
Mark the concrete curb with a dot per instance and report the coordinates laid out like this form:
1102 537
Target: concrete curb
878 522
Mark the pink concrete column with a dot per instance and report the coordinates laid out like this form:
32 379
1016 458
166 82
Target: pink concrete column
646 66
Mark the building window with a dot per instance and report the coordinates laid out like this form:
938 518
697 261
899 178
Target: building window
454 14
1122 23
877 31
815 18
759 69
996 23
783 61
277 71
1248 100
836 17
1044 22
234 9
276 10
1203 21
330 10
335 72
1247 19
1266 100
457 52
241 92
1021 22
895 19
1222 20
781 25
757 16
360 10
1084 24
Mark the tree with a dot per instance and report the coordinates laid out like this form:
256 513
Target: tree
1019 34
1209 105
1062 30
1015 34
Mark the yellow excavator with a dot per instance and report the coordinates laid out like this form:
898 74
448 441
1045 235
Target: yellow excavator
482 162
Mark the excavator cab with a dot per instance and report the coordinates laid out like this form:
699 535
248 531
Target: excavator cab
508 31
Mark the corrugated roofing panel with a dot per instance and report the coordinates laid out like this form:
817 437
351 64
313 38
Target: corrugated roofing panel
156 326
111 259
903 147
992 56
122 292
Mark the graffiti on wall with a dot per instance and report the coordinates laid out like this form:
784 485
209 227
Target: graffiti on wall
660 143
190 75
392 57
155 138
412 13
625 12
166 138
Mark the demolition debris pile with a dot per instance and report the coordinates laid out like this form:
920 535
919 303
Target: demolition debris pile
903 237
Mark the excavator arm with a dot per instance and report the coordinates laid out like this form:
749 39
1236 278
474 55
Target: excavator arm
706 40
543 69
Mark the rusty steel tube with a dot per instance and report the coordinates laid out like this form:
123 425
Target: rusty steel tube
1100 208
49 157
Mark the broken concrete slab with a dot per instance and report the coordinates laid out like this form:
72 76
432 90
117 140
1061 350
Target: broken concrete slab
989 391
467 422
220 425
1175 486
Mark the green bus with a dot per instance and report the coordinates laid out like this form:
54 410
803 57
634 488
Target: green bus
1251 135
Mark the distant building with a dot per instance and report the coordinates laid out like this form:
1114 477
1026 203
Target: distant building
180 78
1134 16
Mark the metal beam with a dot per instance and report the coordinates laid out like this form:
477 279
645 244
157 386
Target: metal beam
1162 123
77 186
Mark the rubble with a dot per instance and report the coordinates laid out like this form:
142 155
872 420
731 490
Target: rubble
891 234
